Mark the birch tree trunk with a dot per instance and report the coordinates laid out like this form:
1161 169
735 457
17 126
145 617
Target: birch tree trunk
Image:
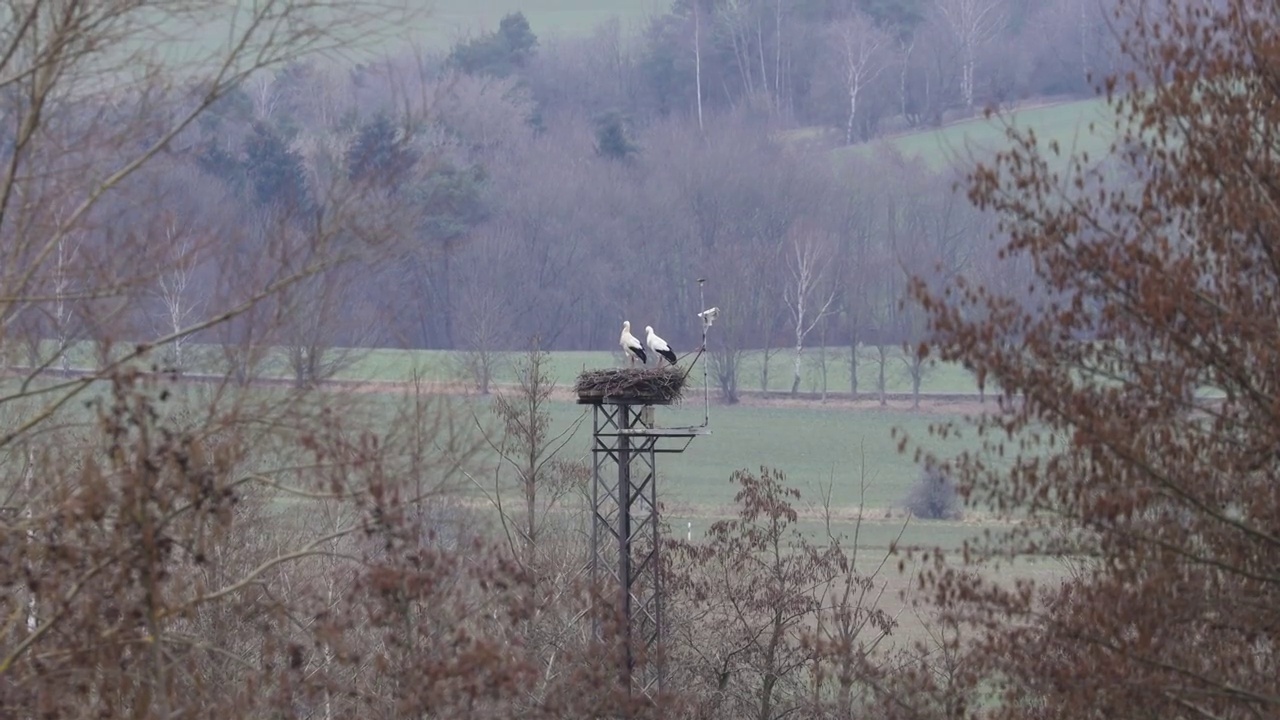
859 45
808 301
697 60
174 289
973 24
65 257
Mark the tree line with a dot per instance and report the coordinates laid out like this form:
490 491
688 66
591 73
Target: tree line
521 189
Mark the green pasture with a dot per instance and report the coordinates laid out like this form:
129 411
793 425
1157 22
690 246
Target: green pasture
442 365
852 456
1084 126
816 446
366 31
431 25
447 20
396 365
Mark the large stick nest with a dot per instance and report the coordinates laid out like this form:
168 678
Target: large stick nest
647 386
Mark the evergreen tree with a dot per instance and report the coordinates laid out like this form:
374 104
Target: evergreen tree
454 201
611 137
221 164
274 170
378 156
499 53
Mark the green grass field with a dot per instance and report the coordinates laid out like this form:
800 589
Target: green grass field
388 364
450 19
815 444
820 451
816 448
1067 123
851 454
379 31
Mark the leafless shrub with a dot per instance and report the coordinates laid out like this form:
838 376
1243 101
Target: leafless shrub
770 624
933 497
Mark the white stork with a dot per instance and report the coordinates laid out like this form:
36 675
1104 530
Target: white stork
659 345
630 345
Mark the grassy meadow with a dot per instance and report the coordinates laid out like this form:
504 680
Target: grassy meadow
381 30
397 365
815 444
436 25
440 365
447 20
1082 126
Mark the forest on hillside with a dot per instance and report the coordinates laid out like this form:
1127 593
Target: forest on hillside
510 187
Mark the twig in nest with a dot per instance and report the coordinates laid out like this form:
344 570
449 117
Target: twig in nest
647 385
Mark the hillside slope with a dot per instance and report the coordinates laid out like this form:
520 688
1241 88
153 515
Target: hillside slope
1068 123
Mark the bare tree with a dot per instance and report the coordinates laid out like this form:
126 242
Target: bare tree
155 573
853 626
1076 36
810 294
771 625
905 46
82 131
740 281
697 60
531 448
65 256
546 526
750 585
972 24
861 47
485 334
322 333
175 286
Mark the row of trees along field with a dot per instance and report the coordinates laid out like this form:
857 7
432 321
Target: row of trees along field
219 549
509 188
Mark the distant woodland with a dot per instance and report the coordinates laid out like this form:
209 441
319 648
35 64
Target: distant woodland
522 187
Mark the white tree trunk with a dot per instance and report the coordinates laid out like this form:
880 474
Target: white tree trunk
808 268
61 286
174 290
973 23
859 44
853 111
799 359
697 60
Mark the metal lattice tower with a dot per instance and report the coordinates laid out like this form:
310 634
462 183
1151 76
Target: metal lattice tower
625 533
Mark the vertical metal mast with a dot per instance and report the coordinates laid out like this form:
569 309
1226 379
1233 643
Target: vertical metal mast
625 532
625 529
625 535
